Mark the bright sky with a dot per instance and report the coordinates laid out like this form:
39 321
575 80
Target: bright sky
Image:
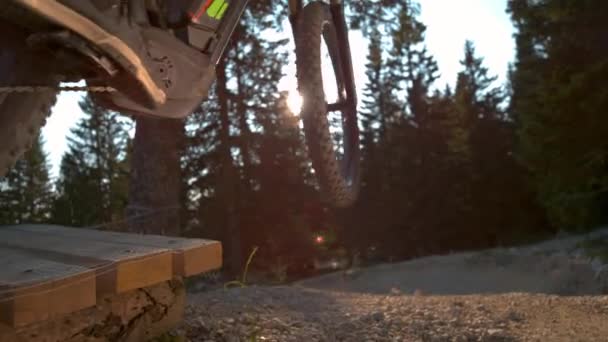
449 24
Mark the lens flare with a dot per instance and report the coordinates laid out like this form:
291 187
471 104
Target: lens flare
294 102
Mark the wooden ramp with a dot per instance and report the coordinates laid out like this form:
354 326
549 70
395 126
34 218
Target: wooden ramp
46 270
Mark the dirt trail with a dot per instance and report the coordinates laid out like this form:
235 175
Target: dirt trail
545 292
557 266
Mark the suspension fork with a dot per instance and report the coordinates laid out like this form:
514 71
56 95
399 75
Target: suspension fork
350 103
347 105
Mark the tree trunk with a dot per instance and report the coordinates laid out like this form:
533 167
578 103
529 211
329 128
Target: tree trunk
245 132
155 187
228 183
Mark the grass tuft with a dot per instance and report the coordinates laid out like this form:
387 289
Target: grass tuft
243 281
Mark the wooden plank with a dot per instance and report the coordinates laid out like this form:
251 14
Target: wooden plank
34 289
204 257
119 267
191 256
8 333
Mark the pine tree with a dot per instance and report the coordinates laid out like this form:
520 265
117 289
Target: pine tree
412 68
473 100
398 110
480 146
411 73
371 208
415 144
201 166
558 104
375 95
475 104
25 192
92 185
369 16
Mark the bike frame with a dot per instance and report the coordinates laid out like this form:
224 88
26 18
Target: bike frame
227 27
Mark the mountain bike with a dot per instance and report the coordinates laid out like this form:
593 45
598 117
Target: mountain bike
158 58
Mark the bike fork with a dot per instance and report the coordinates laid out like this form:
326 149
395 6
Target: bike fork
337 13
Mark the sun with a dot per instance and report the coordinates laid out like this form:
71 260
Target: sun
294 102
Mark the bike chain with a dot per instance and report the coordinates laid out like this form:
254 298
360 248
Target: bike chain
33 89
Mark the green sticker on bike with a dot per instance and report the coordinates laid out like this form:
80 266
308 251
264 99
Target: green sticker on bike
217 9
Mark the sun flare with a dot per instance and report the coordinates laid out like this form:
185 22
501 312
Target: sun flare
294 102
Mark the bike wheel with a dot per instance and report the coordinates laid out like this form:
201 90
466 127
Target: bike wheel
21 114
334 159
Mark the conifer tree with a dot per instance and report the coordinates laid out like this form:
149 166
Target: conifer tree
92 185
558 104
25 192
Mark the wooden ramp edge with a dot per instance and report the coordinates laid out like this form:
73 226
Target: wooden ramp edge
34 289
119 268
50 270
190 256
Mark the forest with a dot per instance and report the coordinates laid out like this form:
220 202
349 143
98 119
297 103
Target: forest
476 165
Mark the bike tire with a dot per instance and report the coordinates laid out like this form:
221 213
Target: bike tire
21 114
338 179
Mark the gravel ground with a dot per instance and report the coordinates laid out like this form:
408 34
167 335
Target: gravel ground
300 314
546 292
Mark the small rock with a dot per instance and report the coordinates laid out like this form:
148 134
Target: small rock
514 316
347 326
247 318
495 332
460 338
378 316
